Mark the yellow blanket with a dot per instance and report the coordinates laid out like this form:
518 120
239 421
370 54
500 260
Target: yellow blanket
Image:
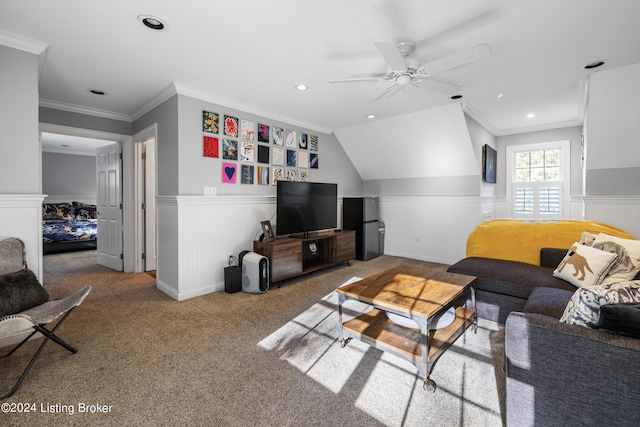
516 240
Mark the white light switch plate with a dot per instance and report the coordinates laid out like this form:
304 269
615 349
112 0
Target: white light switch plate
210 191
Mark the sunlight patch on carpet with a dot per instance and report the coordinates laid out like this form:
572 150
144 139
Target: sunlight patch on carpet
384 386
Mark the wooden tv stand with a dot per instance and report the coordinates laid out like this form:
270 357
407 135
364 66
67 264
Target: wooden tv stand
292 256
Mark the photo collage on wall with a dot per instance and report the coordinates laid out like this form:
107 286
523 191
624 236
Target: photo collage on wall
257 153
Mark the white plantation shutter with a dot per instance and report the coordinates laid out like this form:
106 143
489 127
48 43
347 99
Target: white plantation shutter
541 200
538 180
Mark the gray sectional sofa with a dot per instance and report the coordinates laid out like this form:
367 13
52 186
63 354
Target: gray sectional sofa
557 374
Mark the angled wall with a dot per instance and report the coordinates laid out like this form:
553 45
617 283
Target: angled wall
613 132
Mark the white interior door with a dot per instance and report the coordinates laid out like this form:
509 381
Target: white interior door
150 204
109 180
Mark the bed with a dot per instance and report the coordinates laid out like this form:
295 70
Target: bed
69 227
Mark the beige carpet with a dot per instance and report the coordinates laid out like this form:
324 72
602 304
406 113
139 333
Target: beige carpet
238 360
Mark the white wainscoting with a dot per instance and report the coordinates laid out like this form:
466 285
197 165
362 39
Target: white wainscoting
431 228
620 211
196 235
21 217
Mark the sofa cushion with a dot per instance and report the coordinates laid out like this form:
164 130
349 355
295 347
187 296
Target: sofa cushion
628 263
508 277
622 318
551 257
584 307
548 301
20 291
584 265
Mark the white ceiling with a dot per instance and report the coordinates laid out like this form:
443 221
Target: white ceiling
67 144
251 54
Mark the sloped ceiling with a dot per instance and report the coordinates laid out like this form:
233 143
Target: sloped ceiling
423 144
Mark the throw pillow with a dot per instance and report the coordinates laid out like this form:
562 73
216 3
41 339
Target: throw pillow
621 318
57 211
84 210
11 255
587 238
584 265
627 264
584 307
20 291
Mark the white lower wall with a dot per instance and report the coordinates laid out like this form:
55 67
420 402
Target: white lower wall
431 228
620 211
196 234
21 217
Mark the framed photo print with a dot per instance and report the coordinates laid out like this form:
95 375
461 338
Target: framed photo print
268 231
489 159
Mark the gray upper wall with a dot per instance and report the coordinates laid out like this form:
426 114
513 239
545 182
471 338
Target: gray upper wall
68 175
84 121
165 116
19 146
183 170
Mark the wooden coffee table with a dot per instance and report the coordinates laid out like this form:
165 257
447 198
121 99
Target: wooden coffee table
418 293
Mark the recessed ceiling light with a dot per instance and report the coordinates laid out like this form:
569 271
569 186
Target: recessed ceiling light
302 87
97 92
595 64
456 97
500 95
530 116
371 116
152 22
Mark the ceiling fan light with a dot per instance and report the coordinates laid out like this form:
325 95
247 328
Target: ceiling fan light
403 80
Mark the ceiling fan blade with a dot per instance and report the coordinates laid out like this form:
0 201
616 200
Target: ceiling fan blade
391 55
361 79
388 92
457 59
437 85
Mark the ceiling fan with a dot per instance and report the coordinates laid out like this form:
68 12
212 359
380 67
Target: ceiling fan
403 71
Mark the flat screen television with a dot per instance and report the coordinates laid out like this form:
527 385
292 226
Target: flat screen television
303 208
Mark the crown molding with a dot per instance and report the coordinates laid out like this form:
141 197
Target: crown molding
73 108
161 97
215 99
22 43
475 115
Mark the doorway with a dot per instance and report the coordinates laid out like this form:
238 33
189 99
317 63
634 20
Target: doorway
127 178
145 195
146 181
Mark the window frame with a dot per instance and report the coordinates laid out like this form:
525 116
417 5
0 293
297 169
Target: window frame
565 178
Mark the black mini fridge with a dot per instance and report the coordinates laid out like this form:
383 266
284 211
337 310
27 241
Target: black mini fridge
361 214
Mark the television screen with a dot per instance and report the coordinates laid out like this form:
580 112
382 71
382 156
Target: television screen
303 207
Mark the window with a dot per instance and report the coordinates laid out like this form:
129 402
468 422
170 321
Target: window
538 188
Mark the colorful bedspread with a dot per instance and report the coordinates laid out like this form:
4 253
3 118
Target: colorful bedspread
69 230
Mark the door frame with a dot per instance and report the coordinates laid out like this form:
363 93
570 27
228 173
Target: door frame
128 181
139 193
